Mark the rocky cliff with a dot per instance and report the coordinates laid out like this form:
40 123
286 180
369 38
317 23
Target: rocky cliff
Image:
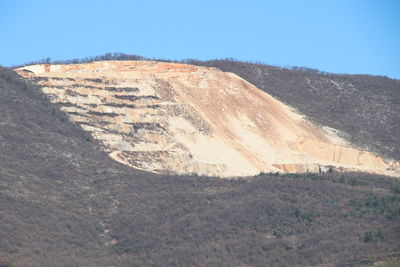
167 117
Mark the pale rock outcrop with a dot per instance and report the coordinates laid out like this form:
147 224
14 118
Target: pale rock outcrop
177 118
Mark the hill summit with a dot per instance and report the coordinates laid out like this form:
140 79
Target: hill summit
178 118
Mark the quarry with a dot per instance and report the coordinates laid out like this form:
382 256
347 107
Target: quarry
183 119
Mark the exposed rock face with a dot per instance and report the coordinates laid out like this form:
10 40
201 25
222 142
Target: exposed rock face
179 118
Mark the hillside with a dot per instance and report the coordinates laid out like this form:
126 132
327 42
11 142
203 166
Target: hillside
365 108
183 119
64 202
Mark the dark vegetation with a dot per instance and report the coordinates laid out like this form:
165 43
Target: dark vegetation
65 203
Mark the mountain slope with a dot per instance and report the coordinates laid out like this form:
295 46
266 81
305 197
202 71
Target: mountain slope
66 203
49 169
178 118
363 107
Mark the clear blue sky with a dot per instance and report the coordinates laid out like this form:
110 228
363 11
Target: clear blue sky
342 36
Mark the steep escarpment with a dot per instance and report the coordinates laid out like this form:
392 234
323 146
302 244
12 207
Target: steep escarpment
178 118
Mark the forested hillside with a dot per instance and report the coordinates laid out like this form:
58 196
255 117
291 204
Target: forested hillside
65 203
